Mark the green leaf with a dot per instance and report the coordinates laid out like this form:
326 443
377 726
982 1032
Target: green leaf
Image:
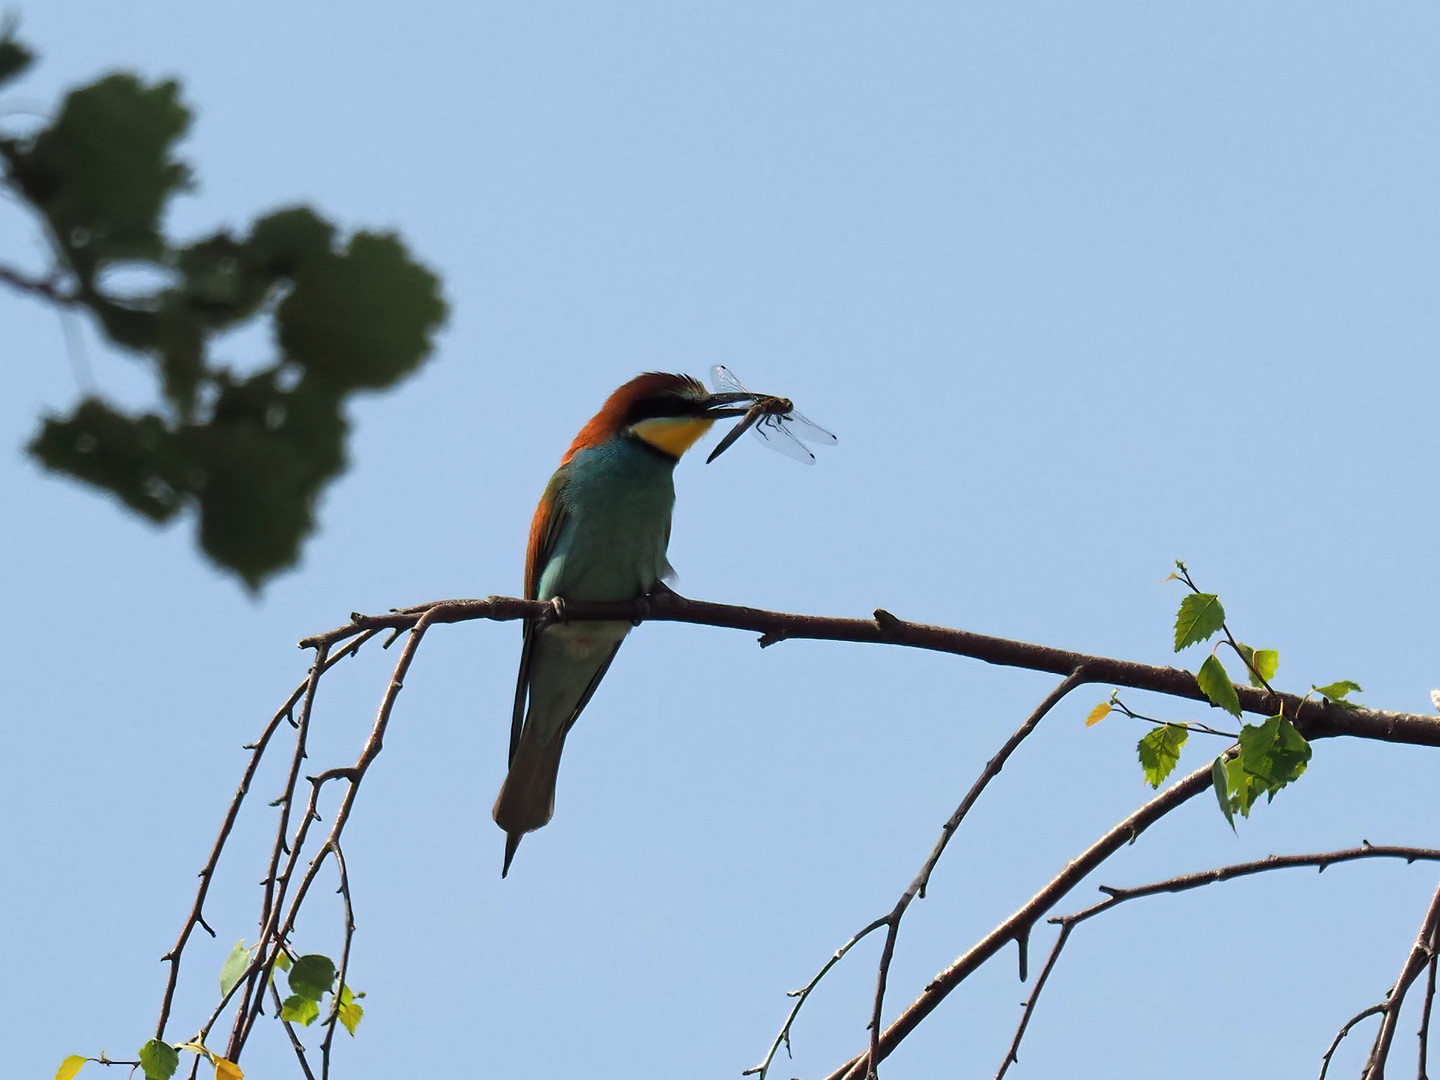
14 59
364 318
1200 616
1273 754
234 967
69 1067
1222 790
103 172
312 976
1160 752
1216 685
300 1010
282 961
158 1060
1260 664
1337 692
350 1010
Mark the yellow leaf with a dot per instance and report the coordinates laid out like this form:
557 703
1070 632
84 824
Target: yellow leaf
69 1067
1097 714
227 1070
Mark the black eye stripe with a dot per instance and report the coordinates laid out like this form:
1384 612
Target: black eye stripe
669 405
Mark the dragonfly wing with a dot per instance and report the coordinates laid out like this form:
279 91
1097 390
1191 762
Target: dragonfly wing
773 433
806 430
724 381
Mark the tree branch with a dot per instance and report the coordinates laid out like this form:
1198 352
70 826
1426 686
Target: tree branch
1420 954
917 887
1018 924
1186 882
1314 719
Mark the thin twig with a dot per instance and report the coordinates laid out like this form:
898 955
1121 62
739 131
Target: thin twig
1022 919
334 1017
295 1043
280 931
207 873
1012 1056
46 288
1339 1035
1424 1032
1421 953
254 992
763 1069
922 879
1185 882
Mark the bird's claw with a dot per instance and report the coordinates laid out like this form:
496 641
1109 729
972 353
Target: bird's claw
553 613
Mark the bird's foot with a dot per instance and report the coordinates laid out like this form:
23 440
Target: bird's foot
554 613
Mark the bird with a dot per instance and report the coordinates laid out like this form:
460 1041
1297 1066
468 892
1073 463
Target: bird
600 533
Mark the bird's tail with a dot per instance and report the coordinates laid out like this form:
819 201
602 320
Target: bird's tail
527 797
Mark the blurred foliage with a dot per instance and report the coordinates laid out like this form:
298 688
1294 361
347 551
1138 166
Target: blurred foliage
249 452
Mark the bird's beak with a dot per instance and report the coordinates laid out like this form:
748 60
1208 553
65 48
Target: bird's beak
720 406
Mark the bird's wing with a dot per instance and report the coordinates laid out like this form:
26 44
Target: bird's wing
544 528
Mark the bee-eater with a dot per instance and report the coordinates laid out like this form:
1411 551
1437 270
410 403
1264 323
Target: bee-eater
599 533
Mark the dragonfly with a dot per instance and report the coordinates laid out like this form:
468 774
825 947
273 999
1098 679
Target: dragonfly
773 420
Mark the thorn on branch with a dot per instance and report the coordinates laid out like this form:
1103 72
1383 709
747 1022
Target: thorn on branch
887 622
394 637
772 638
200 919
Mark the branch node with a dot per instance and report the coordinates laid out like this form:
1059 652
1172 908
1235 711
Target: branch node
888 623
773 637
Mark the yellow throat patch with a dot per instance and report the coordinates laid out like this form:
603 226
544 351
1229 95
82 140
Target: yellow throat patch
672 435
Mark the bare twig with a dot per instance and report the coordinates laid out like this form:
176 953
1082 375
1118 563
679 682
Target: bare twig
1185 882
762 1070
1421 953
1424 1032
295 1043
334 1017
280 931
1012 1056
1019 923
922 879
1340 1035
254 992
257 750
46 288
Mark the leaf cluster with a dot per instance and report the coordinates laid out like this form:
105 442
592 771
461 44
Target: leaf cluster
1266 757
248 452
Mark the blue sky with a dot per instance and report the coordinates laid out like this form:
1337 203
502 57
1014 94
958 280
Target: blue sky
1081 290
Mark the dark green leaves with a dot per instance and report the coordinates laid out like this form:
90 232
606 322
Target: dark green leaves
1216 685
248 454
103 171
1272 755
361 319
14 59
1160 752
312 976
1200 617
158 1060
